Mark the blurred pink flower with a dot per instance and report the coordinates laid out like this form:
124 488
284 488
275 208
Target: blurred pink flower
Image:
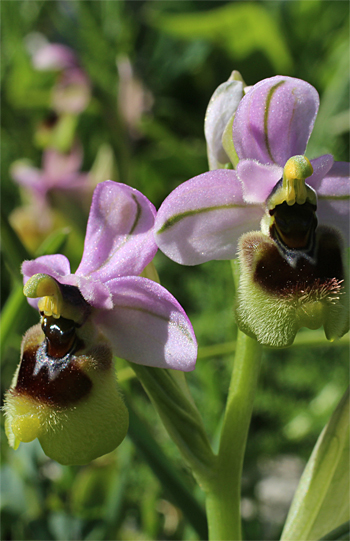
72 91
59 172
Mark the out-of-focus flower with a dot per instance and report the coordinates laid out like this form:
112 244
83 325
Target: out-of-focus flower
33 222
53 56
64 391
72 91
56 131
203 218
59 172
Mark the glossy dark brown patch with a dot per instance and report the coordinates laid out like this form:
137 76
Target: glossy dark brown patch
275 275
294 225
60 334
57 382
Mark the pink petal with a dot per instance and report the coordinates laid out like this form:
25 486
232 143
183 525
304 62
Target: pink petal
336 181
94 292
58 166
321 166
147 325
334 198
203 218
28 176
54 56
274 120
56 266
119 236
335 213
258 180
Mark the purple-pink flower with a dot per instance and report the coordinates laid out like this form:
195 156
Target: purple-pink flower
72 92
142 321
204 217
60 172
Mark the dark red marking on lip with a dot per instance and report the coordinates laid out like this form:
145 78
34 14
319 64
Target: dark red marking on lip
275 275
56 382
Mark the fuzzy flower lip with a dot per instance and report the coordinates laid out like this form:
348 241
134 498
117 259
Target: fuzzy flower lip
203 218
143 322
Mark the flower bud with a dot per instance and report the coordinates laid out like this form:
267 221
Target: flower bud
220 111
65 393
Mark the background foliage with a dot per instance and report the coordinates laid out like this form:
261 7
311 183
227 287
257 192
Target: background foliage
180 52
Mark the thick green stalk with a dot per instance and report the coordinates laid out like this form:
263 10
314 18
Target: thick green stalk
224 494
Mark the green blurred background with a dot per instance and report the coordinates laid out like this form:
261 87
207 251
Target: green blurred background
164 59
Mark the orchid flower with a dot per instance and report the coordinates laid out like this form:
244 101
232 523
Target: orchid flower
59 172
72 92
64 391
204 218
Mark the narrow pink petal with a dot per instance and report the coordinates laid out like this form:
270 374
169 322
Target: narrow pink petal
119 236
76 181
203 218
274 120
94 292
56 266
335 182
148 326
335 213
321 166
28 176
258 180
333 192
57 165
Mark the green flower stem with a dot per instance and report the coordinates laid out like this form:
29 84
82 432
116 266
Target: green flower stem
224 494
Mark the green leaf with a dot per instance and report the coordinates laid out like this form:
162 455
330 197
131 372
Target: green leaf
54 243
241 28
170 478
342 532
169 393
321 502
12 248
